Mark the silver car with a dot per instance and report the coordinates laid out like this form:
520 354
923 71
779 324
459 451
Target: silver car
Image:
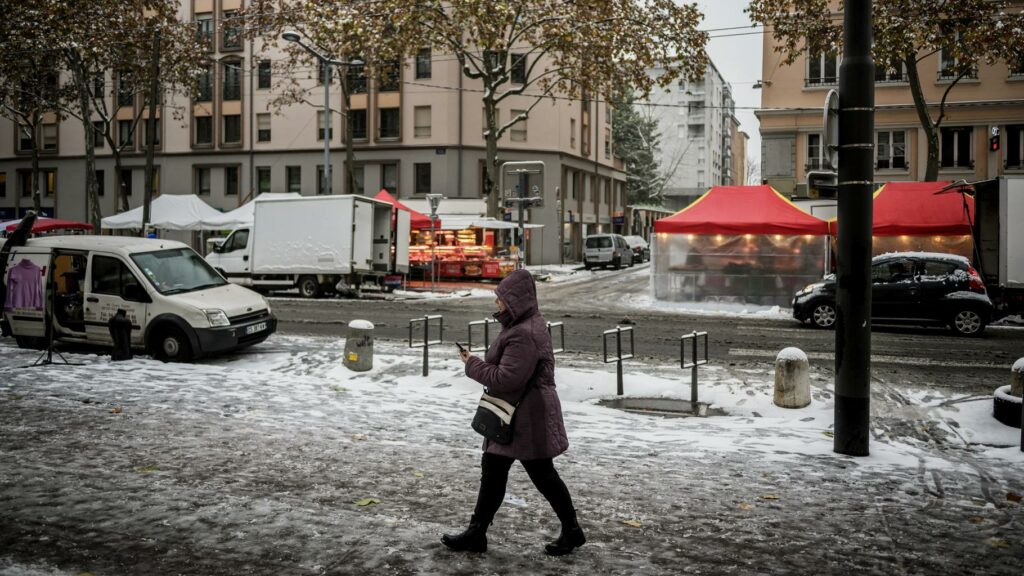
606 250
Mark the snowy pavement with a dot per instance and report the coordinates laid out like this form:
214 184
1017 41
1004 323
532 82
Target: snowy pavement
279 460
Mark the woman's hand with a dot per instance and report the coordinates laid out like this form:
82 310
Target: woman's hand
464 354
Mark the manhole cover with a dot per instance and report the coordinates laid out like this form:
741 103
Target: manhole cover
667 407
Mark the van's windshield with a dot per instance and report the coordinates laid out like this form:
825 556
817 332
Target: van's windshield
177 270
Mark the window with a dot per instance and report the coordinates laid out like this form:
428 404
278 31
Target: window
204 130
49 182
156 133
204 93
519 68
572 133
955 147
263 127
894 71
891 150
125 133
517 132
320 127
262 179
356 79
100 185
358 124
607 143
822 69
951 67
233 129
238 241
390 77
321 183
125 93
24 138
389 126
110 276
50 137
293 176
98 135
231 30
125 182
98 89
421 174
3 184
202 176
25 178
815 153
263 78
422 122
495 59
1015 146
358 178
1016 67
204 29
389 177
231 181
423 65
232 88
892 271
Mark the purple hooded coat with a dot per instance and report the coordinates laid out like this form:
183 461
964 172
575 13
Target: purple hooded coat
523 345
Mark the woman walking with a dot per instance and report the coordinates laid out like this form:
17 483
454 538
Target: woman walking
521 359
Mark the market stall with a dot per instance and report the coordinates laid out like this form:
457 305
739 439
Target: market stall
467 248
743 244
44 225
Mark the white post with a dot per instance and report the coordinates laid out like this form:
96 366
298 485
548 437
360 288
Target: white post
792 379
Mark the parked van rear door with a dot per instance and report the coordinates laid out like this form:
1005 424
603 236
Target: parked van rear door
26 295
111 286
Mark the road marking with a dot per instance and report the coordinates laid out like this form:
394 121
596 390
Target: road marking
875 359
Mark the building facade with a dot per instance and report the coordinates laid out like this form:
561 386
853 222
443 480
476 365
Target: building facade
793 96
700 142
416 132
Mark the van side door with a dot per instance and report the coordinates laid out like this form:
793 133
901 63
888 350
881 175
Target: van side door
111 286
234 257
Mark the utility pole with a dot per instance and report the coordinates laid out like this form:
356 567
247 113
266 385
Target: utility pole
856 175
154 90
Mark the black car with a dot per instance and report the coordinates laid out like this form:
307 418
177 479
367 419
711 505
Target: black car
920 288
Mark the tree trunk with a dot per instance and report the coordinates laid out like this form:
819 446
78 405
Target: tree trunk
36 194
491 191
94 213
350 153
931 129
154 90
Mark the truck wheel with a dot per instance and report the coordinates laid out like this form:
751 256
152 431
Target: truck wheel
309 287
824 315
172 345
967 322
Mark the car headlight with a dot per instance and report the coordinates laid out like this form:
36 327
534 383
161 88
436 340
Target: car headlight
217 318
810 288
267 302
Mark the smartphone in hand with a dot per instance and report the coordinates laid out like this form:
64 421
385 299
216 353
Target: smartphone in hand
461 347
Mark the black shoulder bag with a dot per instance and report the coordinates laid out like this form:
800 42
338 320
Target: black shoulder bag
494 416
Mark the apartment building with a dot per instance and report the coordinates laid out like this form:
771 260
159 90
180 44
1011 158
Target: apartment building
791 120
700 142
416 131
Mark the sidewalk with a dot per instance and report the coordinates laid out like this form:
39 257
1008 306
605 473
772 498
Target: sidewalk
281 461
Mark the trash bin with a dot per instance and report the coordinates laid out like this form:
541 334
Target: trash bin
121 333
359 346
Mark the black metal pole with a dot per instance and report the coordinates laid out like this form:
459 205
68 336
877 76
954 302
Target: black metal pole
524 182
856 156
426 345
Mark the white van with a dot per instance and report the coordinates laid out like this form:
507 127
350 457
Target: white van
180 308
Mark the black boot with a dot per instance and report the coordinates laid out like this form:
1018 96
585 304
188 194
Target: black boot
569 539
474 539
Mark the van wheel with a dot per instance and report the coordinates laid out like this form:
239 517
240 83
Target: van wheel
309 287
617 265
172 345
967 322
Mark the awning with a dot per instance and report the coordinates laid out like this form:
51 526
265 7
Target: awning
919 209
417 220
167 212
742 210
43 224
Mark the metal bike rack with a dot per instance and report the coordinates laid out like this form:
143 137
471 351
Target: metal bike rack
694 363
486 323
619 357
427 342
561 336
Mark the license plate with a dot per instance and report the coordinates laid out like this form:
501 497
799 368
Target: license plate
255 328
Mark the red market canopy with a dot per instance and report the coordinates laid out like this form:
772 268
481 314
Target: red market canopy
742 210
43 224
917 209
417 220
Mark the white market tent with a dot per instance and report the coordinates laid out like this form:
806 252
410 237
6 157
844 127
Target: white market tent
167 212
244 214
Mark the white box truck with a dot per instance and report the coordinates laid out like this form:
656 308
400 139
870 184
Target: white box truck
999 237
317 244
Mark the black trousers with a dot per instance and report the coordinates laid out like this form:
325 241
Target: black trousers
494 476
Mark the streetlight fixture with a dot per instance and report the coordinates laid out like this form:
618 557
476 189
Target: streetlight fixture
435 201
294 36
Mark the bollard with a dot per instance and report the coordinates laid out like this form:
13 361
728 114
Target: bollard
694 364
619 356
359 346
1017 378
427 342
1008 402
561 336
792 379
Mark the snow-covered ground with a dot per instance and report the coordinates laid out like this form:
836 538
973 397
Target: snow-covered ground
281 460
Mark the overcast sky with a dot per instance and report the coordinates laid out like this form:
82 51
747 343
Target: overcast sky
738 58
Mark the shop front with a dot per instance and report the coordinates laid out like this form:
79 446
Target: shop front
462 249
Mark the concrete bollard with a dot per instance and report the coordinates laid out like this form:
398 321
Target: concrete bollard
1017 378
359 346
792 379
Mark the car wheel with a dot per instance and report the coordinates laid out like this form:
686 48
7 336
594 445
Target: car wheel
172 345
824 315
309 287
967 322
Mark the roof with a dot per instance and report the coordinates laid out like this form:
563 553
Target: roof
105 243
926 256
742 210
920 209
167 211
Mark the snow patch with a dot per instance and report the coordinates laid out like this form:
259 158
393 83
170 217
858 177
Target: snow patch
361 324
1018 366
791 354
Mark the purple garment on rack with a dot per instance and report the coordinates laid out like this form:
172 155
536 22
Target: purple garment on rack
24 286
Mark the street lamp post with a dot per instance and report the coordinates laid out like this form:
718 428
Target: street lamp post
435 201
293 36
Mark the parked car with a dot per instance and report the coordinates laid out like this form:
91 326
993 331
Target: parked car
641 250
606 250
917 288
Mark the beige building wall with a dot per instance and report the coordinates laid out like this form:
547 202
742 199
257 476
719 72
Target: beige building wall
791 120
